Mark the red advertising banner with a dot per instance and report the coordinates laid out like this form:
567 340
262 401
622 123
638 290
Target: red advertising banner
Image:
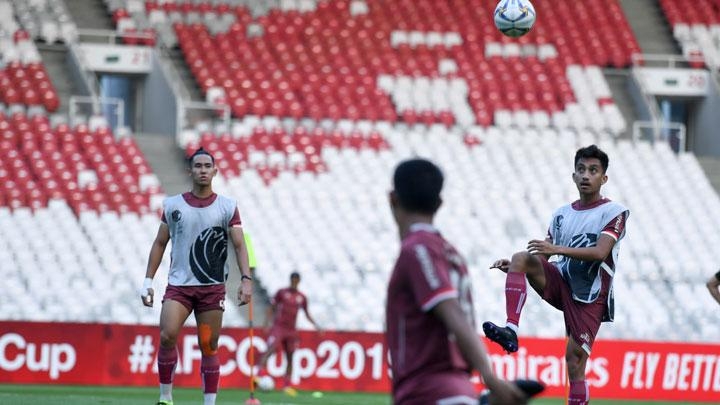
66 353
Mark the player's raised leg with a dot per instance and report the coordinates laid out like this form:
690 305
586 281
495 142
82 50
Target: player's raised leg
520 268
208 328
172 318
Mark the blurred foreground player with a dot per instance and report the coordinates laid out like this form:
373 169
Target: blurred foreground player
199 223
430 327
713 285
283 311
585 236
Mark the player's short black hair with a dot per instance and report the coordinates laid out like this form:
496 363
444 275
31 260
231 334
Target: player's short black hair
295 274
417 184
198 152
590 152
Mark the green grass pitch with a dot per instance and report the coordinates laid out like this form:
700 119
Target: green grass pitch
78 395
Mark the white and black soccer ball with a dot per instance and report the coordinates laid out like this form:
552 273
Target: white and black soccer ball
265 383
514 18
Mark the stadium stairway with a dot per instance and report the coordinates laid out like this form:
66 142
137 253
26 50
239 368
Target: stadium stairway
617 80
54 58
650 26
167 161
177 59
90 14
711 167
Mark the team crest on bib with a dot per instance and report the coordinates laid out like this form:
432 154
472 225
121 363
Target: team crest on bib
176 216
208 254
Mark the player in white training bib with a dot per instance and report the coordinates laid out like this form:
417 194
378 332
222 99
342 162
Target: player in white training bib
585 236
201 226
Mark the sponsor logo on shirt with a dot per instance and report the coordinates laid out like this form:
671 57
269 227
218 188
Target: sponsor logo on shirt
618 224
557 224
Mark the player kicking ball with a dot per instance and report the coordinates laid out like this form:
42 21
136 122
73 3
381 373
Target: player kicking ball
585 238
286 304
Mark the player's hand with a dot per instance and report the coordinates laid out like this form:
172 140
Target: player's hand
505 392
146 292
502 264
541 247
244 293
147 296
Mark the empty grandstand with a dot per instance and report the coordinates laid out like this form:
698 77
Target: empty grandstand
307 105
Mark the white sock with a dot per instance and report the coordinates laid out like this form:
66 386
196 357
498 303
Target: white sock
512 327
210 399
166 392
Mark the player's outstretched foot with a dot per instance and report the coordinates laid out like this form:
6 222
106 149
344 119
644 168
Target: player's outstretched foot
505 336
529 387
290 391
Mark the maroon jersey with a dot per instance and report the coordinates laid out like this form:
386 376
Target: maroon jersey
288 302
428 271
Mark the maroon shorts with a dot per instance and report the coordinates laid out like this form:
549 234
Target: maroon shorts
448 387
582 320
287 337
198 298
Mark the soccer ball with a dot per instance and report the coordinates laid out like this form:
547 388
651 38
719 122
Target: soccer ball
514 18
265 383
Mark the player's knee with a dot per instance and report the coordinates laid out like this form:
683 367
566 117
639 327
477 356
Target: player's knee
208 346
208 339
167 339
575 365
521 261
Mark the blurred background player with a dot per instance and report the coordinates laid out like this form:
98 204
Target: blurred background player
585 235
199 223
282 313
430 327
713 285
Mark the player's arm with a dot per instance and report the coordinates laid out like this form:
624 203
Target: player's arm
310 318
269 315
608 237
472 348
241 255
474 352
713 286
599 252
157 250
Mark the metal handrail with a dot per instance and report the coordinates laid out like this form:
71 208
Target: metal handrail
201 105
660 130
91 81
668 60
656 124
96 103
112 36
649 102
